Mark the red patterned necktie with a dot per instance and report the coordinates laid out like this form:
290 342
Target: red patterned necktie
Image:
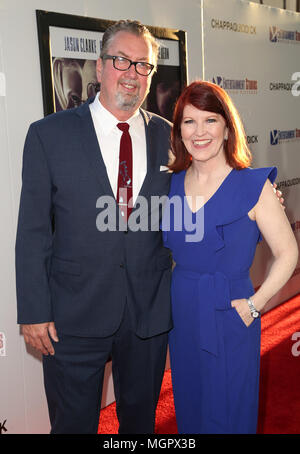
124 193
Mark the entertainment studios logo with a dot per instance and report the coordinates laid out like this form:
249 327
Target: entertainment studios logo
237 85
279 137
277 35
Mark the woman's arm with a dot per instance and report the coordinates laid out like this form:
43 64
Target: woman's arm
275 228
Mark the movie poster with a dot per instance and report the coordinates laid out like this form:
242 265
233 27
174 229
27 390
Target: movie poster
69 49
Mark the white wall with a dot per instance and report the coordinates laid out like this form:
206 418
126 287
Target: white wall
22 401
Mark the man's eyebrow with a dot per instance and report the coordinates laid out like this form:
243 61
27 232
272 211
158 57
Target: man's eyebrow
123 54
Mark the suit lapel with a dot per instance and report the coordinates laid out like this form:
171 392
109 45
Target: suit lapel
90 145
151 155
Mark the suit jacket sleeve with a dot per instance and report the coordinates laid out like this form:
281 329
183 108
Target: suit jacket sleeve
34 234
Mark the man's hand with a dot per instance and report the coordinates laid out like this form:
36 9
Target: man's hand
38 336
279 195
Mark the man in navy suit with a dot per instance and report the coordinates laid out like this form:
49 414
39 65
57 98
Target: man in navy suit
85 293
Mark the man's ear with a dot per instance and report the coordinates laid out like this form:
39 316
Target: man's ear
99 67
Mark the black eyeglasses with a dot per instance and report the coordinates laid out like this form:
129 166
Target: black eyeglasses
123 64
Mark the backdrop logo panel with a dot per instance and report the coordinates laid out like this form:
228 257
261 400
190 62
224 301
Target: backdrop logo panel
252 139
280 86
277 137
278 35
288 183
241 85
233 26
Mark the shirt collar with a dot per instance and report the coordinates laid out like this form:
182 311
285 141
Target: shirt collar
107 120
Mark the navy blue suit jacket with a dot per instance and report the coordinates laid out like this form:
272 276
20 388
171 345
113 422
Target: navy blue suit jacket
69 272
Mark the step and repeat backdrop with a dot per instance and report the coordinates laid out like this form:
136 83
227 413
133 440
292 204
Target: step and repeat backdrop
253 52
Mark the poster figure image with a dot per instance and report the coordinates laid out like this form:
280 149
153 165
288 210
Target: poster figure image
74 81
165 89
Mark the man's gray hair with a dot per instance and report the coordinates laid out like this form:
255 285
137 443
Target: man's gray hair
131 26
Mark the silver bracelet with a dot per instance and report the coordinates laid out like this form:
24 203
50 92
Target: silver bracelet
254 312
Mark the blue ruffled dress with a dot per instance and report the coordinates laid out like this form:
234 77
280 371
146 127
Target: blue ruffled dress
214 356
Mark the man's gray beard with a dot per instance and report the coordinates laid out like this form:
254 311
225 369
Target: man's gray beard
126 102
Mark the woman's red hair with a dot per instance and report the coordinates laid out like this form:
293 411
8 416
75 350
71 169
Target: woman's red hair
211 98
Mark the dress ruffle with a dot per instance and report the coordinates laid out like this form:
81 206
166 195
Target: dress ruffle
240 193
250 183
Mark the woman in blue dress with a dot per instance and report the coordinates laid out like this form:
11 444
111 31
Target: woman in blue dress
217 210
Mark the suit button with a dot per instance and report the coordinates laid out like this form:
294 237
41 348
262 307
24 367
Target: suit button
122 265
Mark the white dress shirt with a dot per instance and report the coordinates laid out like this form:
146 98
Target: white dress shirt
109 136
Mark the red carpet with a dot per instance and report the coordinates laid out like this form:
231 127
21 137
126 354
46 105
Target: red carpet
279 411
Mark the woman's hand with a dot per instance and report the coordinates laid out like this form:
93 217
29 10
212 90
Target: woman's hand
242 308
